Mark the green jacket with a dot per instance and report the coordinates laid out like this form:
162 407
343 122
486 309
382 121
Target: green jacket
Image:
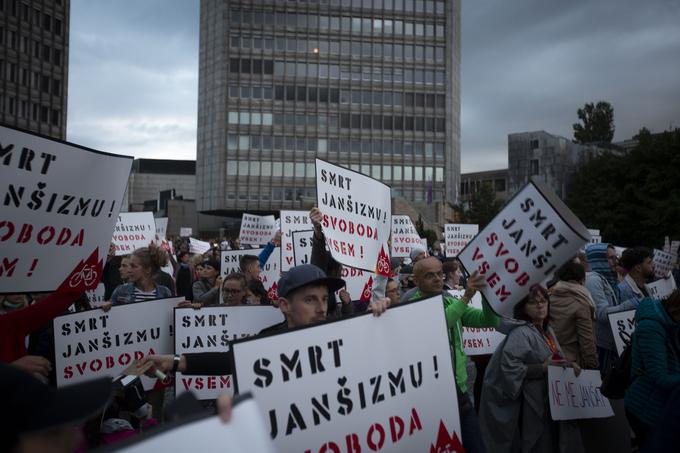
459 313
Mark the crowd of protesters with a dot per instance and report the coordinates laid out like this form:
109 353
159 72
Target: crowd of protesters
505 407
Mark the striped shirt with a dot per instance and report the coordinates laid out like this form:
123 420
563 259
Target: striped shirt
142 295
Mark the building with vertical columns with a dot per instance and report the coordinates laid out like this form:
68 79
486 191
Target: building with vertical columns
372 85
34 38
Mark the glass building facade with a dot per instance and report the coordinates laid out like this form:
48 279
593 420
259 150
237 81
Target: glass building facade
372 85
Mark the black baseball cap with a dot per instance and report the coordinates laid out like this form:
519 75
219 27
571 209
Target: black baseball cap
305 275
28 405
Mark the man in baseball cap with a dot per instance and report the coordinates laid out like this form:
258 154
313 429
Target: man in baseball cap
38 418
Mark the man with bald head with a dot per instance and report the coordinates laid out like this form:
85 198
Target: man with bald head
429 278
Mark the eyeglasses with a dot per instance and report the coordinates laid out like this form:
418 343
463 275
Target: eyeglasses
537 301
231 291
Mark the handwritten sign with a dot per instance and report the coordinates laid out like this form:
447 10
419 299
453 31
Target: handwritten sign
623 326
573 398
457 236
257 230
60 203
292 221
405 237
524 244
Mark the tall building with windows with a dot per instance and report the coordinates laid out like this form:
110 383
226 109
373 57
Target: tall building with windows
372 85
34 65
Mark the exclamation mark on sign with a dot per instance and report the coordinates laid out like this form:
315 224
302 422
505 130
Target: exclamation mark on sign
113 203
361 251
171 330
436 368
30 271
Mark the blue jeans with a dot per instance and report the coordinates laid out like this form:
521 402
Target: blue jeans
469 426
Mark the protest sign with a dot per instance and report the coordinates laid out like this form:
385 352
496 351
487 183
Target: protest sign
209 330
245 432
302 247
478 340
133 231
457 236
256 229
623 326
573 398
358 283
322 387
661 288
405 237
524 244
198 247
185 232
95 343
663 263
291 221
357 217
61 202
269 274
675 245
96 296
161 227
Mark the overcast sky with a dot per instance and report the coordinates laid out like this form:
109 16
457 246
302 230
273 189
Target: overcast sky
526 65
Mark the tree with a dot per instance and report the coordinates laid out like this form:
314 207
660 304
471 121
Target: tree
423 232
482 207
598 123
634 198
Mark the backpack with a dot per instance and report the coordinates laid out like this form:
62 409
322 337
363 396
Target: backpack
618 377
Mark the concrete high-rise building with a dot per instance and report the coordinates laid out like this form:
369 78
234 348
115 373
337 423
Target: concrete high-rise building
34 65
372 85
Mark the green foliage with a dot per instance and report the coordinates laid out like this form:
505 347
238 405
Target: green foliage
482 207
598 123
634 199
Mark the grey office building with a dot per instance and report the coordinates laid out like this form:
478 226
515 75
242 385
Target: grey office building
372 85
34 65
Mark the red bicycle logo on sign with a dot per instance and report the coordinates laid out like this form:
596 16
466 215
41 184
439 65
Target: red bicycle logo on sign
87 276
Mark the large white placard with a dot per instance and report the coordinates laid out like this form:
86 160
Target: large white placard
161 227
357 217
245 432
133 231
457 236
405 237
524 244
257 229
302 247
210 329
663 263
60 203
322 387
198 247
95 343
269 275
661 288
478 340
292 221
574 397
623 326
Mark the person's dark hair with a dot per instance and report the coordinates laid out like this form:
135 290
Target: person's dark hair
257 288
333 268
181 255
151 257
246 260
450 265
236 276
571 271
634 256
518 311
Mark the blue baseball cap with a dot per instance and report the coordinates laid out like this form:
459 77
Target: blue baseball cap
305 275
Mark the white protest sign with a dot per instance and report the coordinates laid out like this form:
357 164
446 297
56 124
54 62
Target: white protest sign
256 229
663 263
198 247
60 204
95 343
269 274
185 232
292 221
623 326
457 236
661 288
245 432
595 237
96 296
322 387
209 330
161 227
358 283
573 398
302 247
405 237
675 245
357 217
594 231
133 231
478 340
525 243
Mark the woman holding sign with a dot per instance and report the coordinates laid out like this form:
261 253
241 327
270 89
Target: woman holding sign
514 413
